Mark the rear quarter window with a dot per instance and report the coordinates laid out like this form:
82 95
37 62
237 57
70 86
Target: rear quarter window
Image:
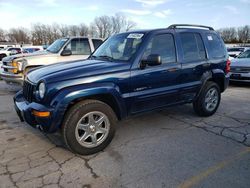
215 45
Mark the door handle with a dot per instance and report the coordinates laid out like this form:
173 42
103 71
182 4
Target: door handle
206 65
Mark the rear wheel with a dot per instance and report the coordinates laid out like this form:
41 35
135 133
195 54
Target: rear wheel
208 101
89 127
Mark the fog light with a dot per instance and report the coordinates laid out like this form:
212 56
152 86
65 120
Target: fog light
14 71
40 114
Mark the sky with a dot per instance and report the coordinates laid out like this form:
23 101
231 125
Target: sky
146 13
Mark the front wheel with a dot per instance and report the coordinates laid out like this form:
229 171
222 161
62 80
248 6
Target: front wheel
208 101
89 127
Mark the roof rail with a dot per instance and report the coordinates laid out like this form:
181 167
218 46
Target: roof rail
174 26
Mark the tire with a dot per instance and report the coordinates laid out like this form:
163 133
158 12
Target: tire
207 104
81 120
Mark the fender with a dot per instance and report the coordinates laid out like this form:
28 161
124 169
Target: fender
214 74
68 95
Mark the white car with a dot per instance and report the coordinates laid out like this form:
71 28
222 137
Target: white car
65 49
9 51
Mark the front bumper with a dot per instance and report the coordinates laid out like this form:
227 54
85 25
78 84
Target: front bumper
240 77
24 110
12 78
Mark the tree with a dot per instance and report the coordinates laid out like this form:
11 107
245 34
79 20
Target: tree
104 26
2 35
244 33
228 34
109 25
64 30
83 30
19 35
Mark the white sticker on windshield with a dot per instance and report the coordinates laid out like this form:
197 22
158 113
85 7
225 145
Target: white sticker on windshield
209 37
135 36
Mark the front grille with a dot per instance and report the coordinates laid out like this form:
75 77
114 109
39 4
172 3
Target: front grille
240 69
7 63
28 91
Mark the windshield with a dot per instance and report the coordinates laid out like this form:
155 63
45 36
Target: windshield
119 47
57 45
245 54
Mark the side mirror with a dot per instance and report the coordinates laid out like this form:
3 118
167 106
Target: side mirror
151 60
66 52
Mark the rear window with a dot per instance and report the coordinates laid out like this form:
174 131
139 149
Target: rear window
193 47
216 46
235 49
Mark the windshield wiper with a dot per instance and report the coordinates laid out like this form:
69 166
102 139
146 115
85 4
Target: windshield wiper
105 57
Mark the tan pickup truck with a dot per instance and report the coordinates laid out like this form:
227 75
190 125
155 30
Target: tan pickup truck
62 50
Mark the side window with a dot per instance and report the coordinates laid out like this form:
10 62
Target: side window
79 47
216 47
97 42
193 47
162 45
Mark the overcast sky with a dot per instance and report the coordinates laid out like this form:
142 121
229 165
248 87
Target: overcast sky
146 13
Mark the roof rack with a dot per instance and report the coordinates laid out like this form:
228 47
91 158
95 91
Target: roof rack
174 26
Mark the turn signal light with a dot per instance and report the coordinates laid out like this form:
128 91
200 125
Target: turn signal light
40 114
14 64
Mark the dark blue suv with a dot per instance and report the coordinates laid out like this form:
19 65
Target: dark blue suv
128 74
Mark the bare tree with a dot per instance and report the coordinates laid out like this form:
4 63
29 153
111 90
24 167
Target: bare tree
19 35
83 30
129 25
73 30
104 26
64 30
228 34
2 35
244 33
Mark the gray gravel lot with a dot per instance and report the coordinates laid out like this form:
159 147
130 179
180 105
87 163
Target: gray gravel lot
168 148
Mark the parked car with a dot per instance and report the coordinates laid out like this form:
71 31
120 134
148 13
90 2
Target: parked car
9 51
240 68
128 74
235 51
31 49
64 49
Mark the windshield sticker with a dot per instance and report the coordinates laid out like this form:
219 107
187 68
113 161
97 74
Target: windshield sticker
135 36
209 37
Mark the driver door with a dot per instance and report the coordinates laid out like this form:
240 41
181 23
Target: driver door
156 86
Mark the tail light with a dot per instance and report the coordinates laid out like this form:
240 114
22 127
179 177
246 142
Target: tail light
227 70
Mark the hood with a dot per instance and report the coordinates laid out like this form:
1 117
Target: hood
240 62
74 70
28 56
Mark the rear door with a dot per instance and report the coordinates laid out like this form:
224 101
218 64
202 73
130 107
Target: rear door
194 63
156 86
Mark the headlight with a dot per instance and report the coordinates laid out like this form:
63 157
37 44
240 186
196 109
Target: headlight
41 90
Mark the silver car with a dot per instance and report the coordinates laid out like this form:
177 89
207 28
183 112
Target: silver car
240 67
